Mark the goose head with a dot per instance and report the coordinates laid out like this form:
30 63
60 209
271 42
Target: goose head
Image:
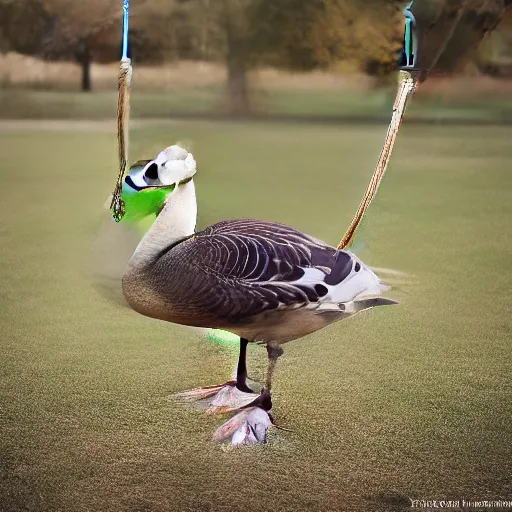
149 182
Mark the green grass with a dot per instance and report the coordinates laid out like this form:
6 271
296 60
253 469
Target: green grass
411 401
210 102
37 104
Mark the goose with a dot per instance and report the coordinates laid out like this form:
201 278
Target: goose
266 282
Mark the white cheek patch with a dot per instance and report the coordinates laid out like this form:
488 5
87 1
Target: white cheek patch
175 171
171 171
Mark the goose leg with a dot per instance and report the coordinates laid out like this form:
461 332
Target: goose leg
264 401
251 424
227 397
241 369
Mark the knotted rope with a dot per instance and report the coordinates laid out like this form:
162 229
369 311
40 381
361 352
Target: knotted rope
123 116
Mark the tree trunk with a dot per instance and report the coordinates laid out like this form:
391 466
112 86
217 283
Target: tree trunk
238 94
236 59
83 56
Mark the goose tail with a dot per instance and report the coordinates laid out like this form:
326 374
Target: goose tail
361 305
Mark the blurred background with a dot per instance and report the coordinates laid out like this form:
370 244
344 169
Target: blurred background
285 106
324 59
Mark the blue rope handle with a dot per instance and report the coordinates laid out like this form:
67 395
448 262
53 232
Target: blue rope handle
126 12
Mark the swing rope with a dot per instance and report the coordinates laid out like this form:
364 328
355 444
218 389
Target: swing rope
123 115
408 80
407 86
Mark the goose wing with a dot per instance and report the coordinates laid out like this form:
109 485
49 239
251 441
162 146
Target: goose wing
241 268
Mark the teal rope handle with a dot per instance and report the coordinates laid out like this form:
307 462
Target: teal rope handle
410 49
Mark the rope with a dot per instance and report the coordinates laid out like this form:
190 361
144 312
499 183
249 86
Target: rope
408 79
123 115
407 85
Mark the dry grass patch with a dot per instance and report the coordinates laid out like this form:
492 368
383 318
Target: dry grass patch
23 71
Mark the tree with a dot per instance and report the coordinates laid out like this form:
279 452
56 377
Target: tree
315 34
494 56
23 25
452 30
62 30
221 30
295 34
85 31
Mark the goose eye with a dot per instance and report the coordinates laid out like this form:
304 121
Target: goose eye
151 172
357 267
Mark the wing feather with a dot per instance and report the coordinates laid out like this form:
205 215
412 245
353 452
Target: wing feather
241 268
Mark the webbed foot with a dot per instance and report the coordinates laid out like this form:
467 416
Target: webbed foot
219 399
248 427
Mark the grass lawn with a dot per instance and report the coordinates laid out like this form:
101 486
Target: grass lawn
412 401
209 102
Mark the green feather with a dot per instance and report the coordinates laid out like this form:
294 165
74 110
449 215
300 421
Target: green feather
144 203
